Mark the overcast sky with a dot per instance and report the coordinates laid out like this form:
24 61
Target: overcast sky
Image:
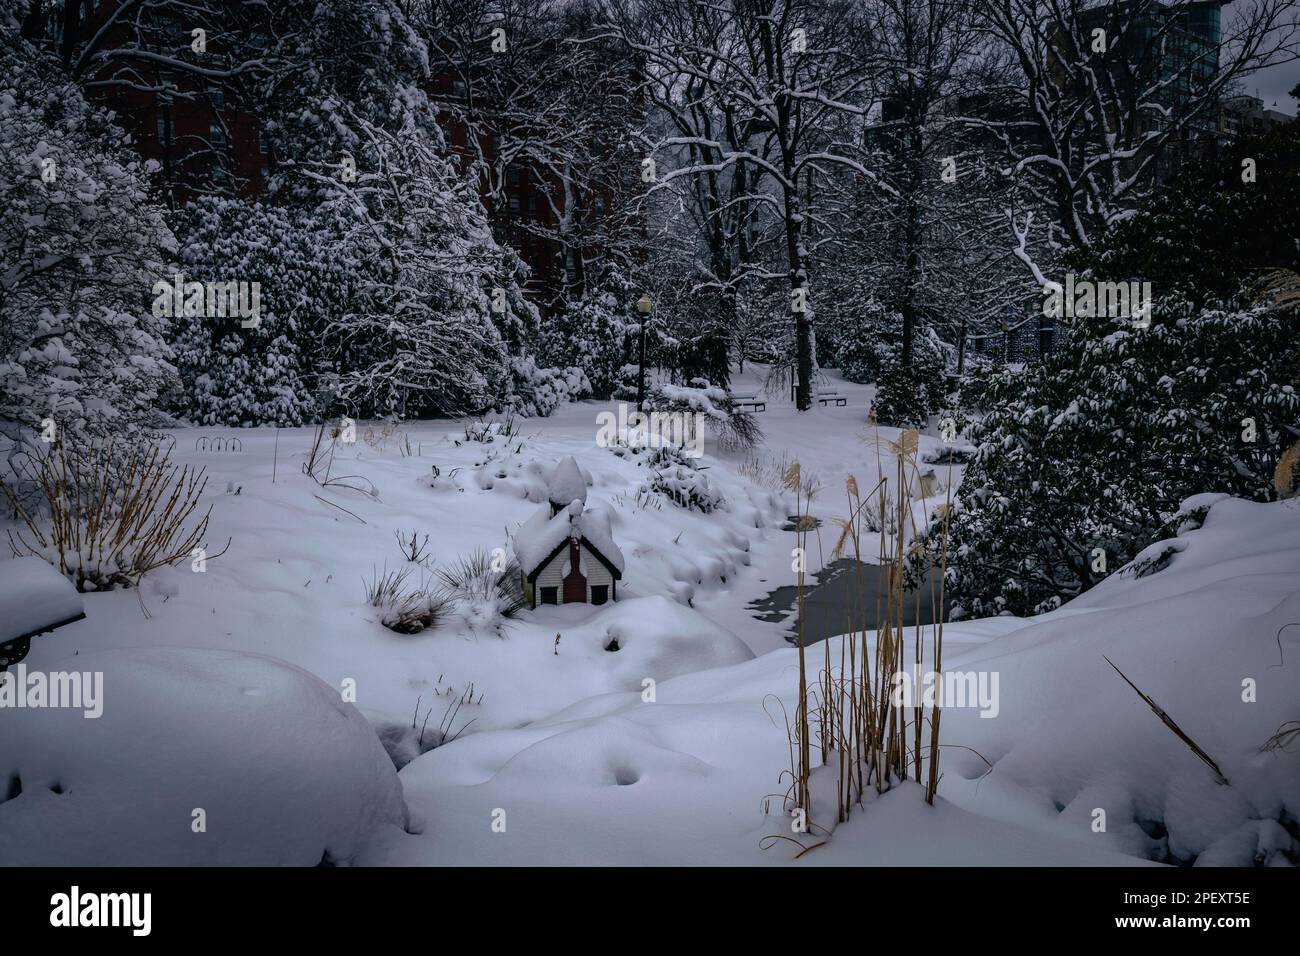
1275 83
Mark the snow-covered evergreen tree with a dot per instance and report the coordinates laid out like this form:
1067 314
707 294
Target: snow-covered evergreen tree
418 335
81 244
1084 458
355 63
589 334
260 375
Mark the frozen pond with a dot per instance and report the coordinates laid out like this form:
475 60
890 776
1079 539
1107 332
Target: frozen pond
844 593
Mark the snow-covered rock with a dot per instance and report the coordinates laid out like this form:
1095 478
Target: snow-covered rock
269 759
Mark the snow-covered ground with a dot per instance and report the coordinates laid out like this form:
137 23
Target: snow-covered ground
562 757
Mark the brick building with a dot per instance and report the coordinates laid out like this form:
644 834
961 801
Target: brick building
205 142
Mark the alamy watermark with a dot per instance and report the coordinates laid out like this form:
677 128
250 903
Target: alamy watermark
637 429
77 690
74 909
949 689
1084 298
212 300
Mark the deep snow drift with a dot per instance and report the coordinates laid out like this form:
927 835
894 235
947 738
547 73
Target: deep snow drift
200 757
682 780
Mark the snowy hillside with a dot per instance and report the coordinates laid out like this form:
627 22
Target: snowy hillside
683 780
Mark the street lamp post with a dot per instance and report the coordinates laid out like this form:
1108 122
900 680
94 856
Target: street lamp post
643 306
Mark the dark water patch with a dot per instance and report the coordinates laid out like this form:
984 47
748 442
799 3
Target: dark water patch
843 596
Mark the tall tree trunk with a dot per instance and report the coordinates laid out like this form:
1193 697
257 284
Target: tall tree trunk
911 243
798 280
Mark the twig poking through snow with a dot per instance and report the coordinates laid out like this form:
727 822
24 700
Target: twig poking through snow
1169 722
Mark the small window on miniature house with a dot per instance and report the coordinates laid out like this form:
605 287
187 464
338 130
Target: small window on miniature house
599 593
550 595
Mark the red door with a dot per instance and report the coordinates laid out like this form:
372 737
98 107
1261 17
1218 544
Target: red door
575 583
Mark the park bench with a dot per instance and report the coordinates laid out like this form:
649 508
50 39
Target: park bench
749 401
825 398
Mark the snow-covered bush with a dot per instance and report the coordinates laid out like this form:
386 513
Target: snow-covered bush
734 429
540 391
683 485
82 243
587 334
906 397
403 606
1091 451
235 375
873 344
628 377
865 342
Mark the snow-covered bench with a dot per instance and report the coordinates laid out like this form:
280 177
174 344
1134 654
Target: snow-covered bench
749 401
34 598
825 398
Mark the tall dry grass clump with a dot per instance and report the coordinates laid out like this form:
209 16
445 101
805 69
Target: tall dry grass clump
105 515
847 730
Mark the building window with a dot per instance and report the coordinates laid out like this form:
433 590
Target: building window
514 204
217 96
162 128
550 595
218 135
599 593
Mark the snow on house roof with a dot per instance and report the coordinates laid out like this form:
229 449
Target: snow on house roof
542 535
593 524
567 484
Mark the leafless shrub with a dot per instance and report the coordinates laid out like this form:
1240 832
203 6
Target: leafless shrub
414 547
320 463
106 516
1287 734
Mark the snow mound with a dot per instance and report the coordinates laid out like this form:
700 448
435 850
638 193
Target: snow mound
34 595
1206 636
567 483
604 780
284 772
657 638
